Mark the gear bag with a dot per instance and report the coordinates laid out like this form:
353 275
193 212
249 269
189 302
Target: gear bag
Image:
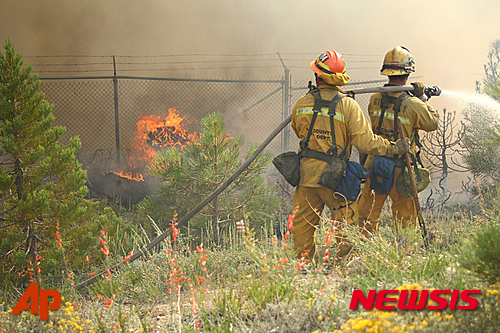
421 175
352 184
288 164
333 173
382 177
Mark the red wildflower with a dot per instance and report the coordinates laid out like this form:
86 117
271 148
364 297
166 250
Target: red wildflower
127 258
290 222
108 303
175 233
177 280
203 260
300 265
105 251
200 249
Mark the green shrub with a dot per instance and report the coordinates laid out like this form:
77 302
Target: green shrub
481 253
191 175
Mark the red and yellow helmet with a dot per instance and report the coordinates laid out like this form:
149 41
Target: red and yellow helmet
329 62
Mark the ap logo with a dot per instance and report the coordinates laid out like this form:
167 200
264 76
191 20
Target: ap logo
37 298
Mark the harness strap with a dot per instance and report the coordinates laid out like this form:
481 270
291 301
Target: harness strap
384 105
309 153
331 112
318 104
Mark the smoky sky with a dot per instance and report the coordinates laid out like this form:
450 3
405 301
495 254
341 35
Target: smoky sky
449 39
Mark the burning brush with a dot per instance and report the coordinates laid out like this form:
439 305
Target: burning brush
153 133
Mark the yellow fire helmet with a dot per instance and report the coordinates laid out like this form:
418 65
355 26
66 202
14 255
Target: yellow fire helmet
398 61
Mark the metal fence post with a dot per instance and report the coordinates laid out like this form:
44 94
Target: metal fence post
286 109
286 94
117 122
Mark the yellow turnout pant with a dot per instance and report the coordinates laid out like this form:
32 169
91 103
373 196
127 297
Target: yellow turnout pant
310 202
370 206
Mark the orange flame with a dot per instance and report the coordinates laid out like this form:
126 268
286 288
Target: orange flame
138 177
153 133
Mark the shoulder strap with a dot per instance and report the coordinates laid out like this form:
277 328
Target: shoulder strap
318 103
397 108
304 144
384 105
331 112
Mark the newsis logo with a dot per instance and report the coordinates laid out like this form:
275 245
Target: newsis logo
413 299
38 298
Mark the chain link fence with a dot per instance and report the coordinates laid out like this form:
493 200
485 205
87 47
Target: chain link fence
104 111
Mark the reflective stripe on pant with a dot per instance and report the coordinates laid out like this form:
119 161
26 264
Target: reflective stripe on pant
311 201
370 206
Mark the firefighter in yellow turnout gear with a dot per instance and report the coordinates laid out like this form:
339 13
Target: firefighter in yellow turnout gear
415 114
351 128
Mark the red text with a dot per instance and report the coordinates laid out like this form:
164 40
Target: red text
45 306
413 299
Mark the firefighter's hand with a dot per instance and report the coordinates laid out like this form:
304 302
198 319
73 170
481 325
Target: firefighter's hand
420 91
419 88
399 147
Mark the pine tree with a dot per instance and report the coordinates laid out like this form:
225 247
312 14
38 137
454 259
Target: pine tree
481 153
191 175
42 186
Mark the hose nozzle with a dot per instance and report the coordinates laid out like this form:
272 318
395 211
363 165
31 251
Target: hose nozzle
433 91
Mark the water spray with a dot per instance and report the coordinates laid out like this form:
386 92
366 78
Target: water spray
466 98
433 91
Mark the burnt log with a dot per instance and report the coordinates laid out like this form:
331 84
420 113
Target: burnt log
106 184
